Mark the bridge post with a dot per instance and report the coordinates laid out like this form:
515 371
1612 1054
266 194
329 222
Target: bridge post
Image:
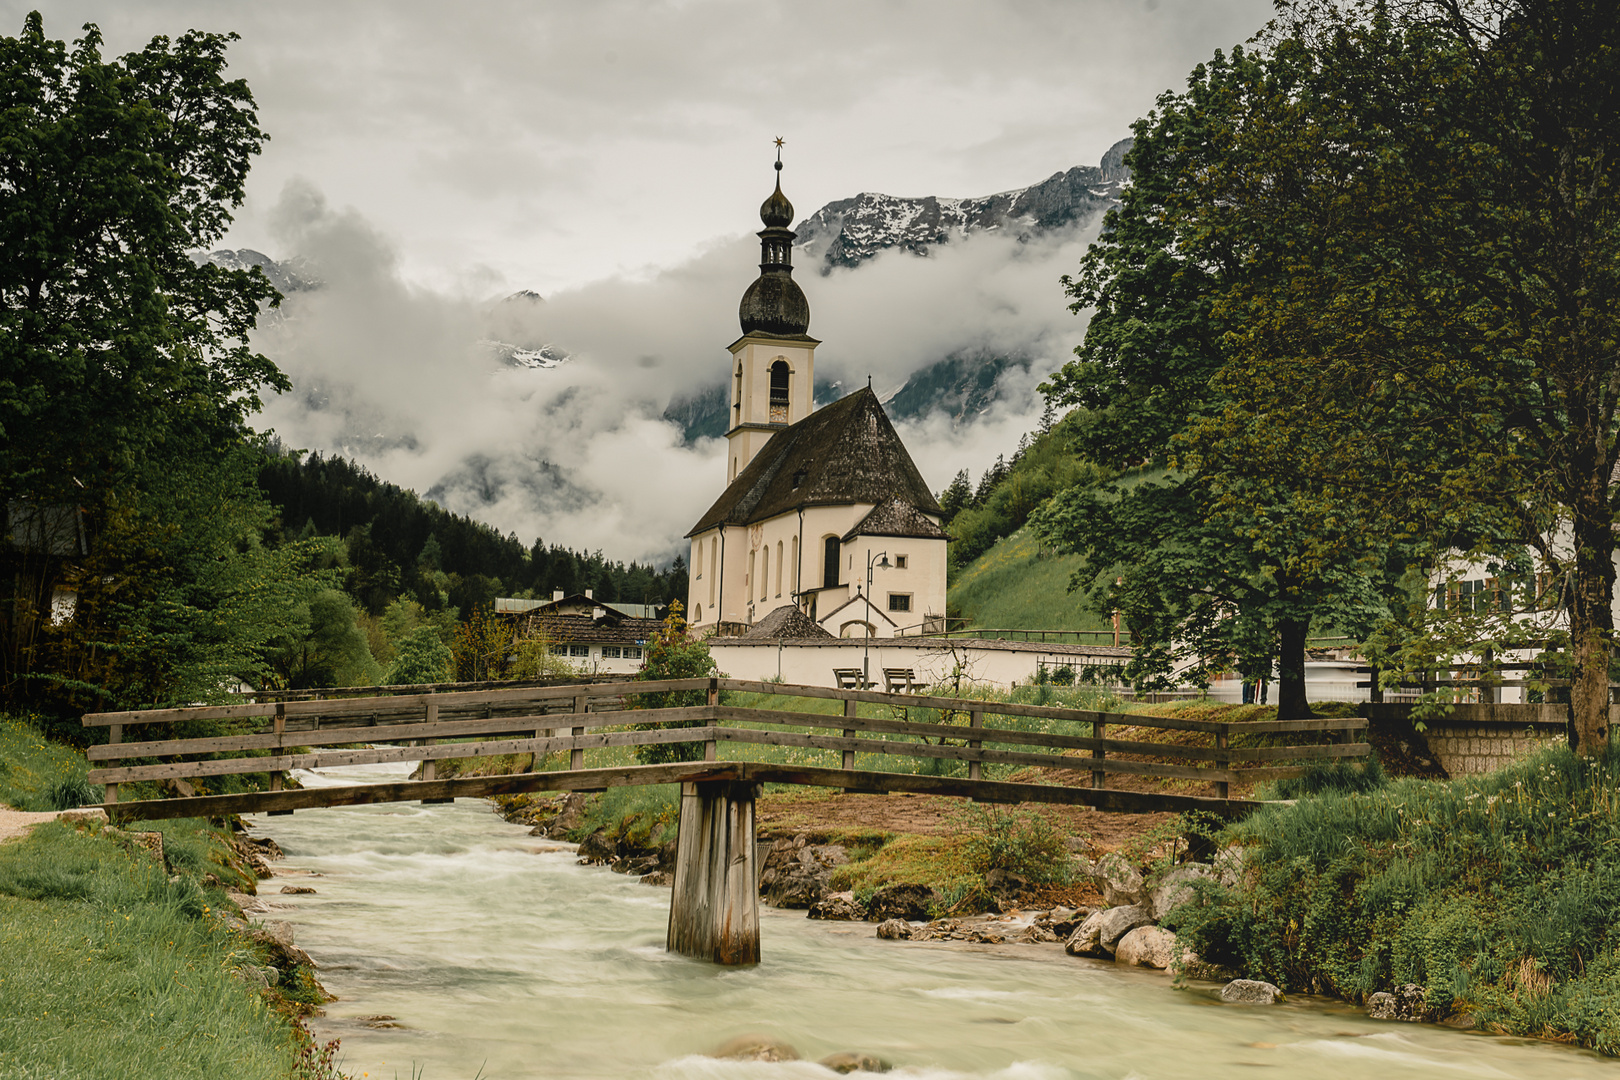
576 757
1099 730
714 909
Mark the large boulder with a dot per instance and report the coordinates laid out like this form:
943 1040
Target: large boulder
1146 946
1250 992
1116 922
1229 866
910 902
1119 881
598 848
894 930
1406 1003
795 873
277 938
1175 887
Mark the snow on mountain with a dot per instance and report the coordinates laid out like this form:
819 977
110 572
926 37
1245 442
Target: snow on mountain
848 232
288 276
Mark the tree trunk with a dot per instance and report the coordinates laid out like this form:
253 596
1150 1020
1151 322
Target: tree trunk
1291 703
1591 619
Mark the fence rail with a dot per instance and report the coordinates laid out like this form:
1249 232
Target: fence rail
585 717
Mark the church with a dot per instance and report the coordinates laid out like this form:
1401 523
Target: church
818 502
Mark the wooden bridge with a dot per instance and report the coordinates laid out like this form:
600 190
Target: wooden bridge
714 913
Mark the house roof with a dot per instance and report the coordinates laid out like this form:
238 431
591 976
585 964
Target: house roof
786 623
508 606
896 517
612 629
844 453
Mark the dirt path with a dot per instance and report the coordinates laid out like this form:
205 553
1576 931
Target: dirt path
14 824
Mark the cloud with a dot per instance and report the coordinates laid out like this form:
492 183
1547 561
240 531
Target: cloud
394 376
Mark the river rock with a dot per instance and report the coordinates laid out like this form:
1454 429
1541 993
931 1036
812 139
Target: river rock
1116 922
297 890
277 937
1175 887
1087 937
1250 992
84 815
566 820
901 902
847 1062
1119 881
1406 1003
1229 866
596 848
894 930
755 1048
795 873
256 977
837 907
1146 946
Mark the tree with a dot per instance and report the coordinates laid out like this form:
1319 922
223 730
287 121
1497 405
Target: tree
124 362
673 653
956 496
421 657
1209 566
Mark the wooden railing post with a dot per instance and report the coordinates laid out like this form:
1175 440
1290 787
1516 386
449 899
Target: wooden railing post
711 749
576 756
276 775
975 721
430 768
1222 763
851 708
1099 730
115 734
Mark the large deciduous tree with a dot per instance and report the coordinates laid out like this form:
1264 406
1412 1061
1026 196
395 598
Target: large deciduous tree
125 366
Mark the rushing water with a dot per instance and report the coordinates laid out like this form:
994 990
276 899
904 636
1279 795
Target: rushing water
494 951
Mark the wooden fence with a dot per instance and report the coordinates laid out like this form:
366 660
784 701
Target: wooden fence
579 718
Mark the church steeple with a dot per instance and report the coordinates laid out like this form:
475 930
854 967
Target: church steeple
774 304
773 363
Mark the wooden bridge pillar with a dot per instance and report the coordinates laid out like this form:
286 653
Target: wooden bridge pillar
714 912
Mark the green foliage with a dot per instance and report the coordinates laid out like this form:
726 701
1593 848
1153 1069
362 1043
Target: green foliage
1014 841
639 817
673 653
332 650
1319 777
422 657
1498 894
1022 583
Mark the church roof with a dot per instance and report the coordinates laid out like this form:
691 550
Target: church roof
786 622
896 517
843 453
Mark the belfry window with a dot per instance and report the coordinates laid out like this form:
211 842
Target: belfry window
780 374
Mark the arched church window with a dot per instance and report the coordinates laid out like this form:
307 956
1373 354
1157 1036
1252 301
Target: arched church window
736 398
780 374
829 562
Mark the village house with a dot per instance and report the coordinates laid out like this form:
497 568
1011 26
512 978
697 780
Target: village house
596 637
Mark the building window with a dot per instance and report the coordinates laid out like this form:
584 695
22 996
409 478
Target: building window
795 585
779 392
899 562
714 566
632 652
559 650
765 574
610 652
697 613
579 650
899 601
779 568
829 563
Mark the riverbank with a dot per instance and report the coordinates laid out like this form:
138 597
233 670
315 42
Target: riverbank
126 953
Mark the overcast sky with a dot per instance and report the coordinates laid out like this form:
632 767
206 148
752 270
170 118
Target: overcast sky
429 158
545 143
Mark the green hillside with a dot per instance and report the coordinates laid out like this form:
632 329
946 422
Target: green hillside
1016 585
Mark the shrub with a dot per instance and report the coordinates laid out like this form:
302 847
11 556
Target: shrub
1013 841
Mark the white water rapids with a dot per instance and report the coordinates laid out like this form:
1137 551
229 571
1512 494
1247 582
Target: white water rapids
499 957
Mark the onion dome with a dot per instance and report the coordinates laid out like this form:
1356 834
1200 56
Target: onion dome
774 304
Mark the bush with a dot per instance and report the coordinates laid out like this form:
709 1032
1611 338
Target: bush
1013 841
673 653
1498 894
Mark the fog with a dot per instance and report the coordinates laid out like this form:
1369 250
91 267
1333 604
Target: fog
394 375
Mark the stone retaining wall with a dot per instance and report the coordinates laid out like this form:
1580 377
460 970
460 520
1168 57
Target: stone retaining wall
1476 739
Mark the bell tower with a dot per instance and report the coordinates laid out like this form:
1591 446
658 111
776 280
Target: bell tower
773 363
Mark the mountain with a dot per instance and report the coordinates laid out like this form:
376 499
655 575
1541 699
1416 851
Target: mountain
289 276
848 232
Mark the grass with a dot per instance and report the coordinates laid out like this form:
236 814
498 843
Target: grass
1499 895
37 774
1017 584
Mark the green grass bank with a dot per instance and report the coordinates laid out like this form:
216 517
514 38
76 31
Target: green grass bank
1498 895
122 965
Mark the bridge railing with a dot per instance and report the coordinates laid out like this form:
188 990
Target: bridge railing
547 720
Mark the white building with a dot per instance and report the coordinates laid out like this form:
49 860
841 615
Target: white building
815 500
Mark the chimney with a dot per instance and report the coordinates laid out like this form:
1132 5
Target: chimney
587 594
597 613
556 594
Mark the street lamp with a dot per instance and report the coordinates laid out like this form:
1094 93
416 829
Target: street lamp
882 560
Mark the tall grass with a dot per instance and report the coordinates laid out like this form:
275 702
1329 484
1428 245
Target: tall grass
1498 894
1017 584
113 970
37 774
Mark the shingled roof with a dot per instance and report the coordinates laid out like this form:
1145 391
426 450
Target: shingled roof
786 622
896 517
844 453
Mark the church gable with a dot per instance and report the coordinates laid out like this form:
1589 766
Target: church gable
845 453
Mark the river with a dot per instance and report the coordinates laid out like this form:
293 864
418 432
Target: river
499 957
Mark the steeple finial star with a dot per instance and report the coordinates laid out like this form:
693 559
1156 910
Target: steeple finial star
779 142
